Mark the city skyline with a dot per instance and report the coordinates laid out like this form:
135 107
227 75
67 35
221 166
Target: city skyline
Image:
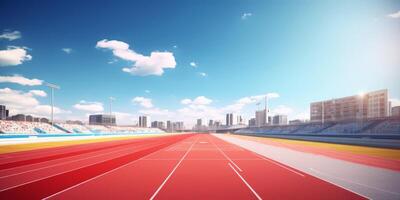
151 66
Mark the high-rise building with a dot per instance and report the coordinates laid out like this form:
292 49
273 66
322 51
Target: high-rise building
239 120
252 122
232 119
396 111
279 120
229 119
169 126
102 119
158 124
3 112
261 117
144 121
210 123
199 122
178 126
369 105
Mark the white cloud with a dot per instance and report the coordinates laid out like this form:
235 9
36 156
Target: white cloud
26 103
39 93
10 35
112 61
246 15
89 106
142 65
67 50
395 15
175 46
13 56
200 100
17 98
20 80
155 111
193 64
147 91
257 98
202 74
142 101
281 110
186 101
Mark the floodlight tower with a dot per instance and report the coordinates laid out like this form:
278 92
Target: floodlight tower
111 100
52 87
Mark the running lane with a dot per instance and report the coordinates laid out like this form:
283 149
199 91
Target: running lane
42 181
198 167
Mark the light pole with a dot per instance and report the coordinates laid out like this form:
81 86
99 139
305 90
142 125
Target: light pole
111 100
52 87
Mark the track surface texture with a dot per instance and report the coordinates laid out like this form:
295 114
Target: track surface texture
188 166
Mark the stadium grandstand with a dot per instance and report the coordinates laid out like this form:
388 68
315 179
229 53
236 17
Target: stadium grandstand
387 125
23 127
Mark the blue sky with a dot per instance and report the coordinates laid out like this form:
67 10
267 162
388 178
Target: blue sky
302 51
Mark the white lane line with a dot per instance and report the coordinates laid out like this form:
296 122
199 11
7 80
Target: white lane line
98 176
283 166
55 174
223 153
342 179
245 182
173 170
67 162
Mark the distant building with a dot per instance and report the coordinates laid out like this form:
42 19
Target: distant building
229 119
261 117
279 120
199 122
233 119
396 111
175 126
74 122
102 119
3 112
252 122
29 118
18 117
144 121
178 126
210 123
369 105
239 120
158 124
44 120
169 126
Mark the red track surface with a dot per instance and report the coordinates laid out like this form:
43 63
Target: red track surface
174 167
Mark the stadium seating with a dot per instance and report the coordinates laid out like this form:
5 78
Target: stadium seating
74 128
386 127
22 127
27 127
98 129
346 127
371 126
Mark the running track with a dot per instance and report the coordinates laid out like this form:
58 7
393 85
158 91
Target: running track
190 166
